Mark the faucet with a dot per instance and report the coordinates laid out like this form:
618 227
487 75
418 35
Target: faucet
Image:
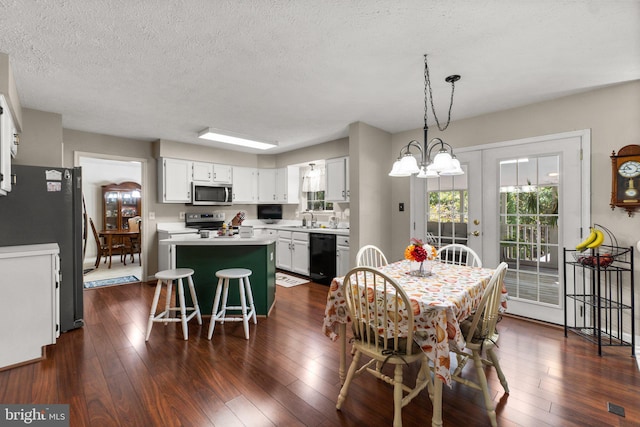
313 221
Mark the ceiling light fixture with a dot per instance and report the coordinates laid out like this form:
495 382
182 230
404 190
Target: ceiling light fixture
235 139
444 163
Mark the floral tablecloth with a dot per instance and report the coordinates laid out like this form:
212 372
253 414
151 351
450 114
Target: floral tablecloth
443 299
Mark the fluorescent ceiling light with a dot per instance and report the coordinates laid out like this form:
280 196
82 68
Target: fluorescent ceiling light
228 138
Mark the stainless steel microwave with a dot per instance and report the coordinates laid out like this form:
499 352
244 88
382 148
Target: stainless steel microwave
211 194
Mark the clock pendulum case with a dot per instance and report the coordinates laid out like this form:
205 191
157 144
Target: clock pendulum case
625 179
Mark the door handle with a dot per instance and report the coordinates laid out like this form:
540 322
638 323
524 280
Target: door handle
475 233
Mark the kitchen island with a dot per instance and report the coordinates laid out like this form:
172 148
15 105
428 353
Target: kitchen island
208 255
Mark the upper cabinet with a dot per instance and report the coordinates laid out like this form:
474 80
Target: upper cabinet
174 180
212 173
266 185
202 172
245 185
176 175
288 184
279 185
250 185
222 174
8 145
337 176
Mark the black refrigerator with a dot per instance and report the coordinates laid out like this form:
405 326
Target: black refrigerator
45 206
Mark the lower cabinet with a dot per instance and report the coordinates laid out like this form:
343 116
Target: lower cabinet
292 252
30 316
342 255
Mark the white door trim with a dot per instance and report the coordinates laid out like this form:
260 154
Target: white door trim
145 195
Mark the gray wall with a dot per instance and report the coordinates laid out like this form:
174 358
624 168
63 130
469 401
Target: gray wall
370 195
40 139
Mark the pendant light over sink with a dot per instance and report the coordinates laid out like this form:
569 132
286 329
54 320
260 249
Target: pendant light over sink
313 179
444 163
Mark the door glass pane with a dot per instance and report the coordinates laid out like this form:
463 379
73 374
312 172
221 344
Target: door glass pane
448 209
529 227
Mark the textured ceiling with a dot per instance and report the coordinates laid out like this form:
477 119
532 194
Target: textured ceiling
300 71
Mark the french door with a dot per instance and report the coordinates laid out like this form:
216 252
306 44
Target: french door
519 202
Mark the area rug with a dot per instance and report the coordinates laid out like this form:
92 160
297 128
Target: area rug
111 282
288 281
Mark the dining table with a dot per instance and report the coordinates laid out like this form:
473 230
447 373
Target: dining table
119 235
445 297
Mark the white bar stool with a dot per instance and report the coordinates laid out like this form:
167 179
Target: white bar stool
242 274
167 277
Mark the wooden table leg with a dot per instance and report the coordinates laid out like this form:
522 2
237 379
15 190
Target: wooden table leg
436 420
342 330
109 237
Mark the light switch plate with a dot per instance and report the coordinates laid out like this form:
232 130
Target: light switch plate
152 215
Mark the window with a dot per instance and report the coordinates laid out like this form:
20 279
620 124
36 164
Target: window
316 202
448 206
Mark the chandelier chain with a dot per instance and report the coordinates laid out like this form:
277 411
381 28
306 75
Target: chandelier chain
429 95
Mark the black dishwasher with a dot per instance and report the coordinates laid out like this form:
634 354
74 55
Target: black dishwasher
322 257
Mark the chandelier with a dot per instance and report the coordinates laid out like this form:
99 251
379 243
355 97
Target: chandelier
444 163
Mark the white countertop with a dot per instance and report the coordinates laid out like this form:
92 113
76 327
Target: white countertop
288 225
29 250
196 240
336 231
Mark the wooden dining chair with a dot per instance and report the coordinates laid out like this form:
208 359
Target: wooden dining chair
458 254
370 256
383 323
101 248
480 335
134 244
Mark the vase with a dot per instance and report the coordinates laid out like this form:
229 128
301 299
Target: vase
420 269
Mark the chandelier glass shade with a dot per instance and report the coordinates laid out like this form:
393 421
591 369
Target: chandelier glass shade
425 166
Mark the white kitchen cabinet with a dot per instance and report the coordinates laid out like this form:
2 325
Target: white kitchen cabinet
300 255
245 185
283 250
279 185
202 172
222 174
292 252
342 255
7 142
212 173
174 180
30 317
266 185
337 180
288 184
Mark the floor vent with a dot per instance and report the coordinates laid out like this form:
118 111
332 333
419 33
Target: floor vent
615 409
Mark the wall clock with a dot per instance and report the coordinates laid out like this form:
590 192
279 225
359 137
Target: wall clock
625 179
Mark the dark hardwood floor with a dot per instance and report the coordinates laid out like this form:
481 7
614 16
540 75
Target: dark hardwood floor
286 373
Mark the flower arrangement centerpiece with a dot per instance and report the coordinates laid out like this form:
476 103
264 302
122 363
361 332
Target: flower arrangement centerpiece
419 253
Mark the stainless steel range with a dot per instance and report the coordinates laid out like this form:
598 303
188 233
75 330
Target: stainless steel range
204 221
